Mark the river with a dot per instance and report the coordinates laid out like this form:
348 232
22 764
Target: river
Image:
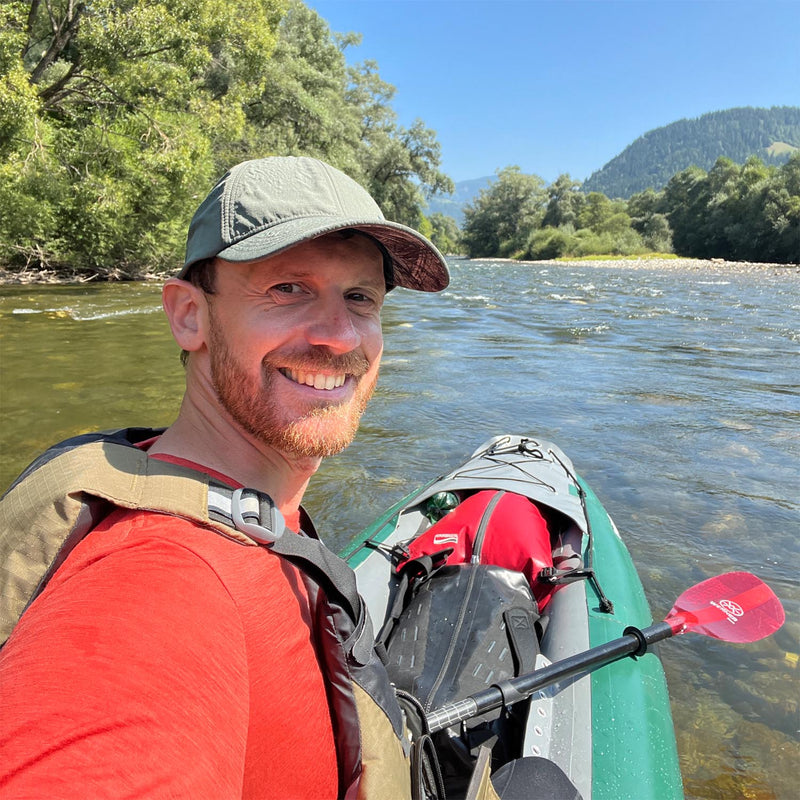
675 391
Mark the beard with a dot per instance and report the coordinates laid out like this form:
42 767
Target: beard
311 430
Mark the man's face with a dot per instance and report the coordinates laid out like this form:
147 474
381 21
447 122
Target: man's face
295 342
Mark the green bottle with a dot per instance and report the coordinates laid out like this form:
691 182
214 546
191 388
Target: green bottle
440 504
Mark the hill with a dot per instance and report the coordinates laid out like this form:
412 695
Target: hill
772 134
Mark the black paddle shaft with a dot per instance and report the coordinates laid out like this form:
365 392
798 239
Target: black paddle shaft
633 643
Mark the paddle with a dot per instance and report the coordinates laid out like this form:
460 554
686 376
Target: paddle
734 607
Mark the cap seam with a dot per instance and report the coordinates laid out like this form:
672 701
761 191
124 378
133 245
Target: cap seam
332 217
227 210
333 188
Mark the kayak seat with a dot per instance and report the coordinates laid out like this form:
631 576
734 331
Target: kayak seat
533 778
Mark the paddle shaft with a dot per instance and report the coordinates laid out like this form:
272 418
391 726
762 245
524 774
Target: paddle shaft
515 689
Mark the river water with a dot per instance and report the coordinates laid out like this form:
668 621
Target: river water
675 391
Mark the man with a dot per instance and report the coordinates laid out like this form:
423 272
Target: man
164 659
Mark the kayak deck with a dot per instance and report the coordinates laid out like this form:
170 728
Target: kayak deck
611 730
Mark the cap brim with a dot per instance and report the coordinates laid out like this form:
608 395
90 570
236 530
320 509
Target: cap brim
416 263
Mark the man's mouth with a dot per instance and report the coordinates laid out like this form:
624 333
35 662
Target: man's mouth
315 379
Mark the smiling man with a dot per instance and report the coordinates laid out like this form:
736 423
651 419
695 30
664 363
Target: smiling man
173 655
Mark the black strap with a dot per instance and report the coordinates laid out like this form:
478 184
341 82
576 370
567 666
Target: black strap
520 626
412 575
336 578
426 774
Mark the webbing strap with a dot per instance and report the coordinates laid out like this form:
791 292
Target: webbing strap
520 626
73 486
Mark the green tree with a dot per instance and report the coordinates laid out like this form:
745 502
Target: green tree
18 100
399 166
302 108
314 104
565 203
685 201
501 219
748 212
445 233
781 208
602 215
645 210
129 98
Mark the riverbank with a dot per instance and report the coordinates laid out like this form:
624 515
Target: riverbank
710 266
45 276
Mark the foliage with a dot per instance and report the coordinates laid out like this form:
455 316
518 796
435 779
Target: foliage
747 213
648 220
117 115
516 215
314 104
772 134
445 233
565 203
500 219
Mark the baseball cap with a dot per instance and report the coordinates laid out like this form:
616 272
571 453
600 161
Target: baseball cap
264 206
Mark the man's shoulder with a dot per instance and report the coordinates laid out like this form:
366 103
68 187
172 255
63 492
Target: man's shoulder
126 528
156 538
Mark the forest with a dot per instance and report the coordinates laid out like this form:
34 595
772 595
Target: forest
117 116
650 161
737 212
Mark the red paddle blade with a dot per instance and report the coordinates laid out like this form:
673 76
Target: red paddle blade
734 607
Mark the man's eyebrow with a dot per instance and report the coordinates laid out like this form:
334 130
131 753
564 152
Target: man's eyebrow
285 275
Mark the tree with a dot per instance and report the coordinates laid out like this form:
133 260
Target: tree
302 109
445 233
781 208
565 203
748 212
685 200
116 115
314 104
602 215
500 220
649 221
399 166
128 98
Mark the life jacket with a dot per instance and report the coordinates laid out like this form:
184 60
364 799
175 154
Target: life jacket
71 487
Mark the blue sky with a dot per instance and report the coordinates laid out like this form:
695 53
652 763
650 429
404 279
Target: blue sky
565 85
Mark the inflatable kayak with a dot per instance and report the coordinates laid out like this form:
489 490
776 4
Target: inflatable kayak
504 566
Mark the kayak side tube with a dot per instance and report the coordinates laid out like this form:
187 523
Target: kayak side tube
634 750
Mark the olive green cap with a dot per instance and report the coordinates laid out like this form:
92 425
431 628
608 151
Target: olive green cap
265 206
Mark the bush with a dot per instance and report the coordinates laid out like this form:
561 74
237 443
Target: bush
547 243
564 242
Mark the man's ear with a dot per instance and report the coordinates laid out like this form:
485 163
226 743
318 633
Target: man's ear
187 311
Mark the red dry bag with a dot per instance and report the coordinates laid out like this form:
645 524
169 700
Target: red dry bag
492 527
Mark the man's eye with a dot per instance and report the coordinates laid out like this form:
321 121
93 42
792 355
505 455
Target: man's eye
286 288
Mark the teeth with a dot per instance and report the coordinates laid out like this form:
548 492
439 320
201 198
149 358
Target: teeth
317 381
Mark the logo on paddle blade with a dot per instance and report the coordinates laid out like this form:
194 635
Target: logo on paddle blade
731 609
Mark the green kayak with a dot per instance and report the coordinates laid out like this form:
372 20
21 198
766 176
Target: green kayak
609 730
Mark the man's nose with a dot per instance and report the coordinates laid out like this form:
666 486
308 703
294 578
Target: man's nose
333 327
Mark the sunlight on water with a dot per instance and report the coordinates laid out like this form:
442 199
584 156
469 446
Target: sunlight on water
675 393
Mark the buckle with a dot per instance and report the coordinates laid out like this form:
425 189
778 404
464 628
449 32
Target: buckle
255 514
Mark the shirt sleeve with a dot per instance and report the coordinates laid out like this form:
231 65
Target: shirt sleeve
127 678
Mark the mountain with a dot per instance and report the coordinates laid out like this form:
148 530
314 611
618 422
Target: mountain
453 204
772 134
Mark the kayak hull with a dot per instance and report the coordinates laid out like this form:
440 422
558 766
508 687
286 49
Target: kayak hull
610 730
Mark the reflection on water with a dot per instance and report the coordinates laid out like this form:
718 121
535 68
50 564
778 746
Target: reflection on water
676 394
